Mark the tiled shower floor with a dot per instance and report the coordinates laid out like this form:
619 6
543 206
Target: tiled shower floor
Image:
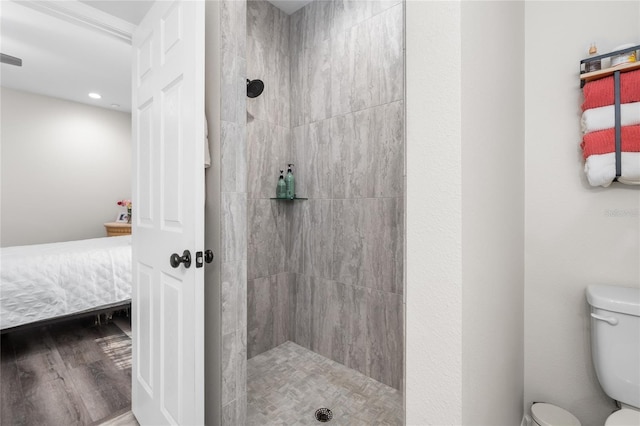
287 384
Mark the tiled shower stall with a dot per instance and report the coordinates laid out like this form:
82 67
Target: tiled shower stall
325 273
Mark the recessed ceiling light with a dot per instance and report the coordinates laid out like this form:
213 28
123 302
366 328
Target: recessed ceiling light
95 95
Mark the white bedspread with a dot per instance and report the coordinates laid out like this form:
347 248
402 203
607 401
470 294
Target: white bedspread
49 280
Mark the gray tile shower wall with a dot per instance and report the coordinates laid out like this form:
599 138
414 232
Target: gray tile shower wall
233 176
268 142
346 242
341 76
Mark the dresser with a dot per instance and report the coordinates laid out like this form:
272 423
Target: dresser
116 229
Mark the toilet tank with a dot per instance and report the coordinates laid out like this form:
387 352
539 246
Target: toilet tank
615 340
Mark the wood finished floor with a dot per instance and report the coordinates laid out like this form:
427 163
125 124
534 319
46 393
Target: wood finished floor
73 373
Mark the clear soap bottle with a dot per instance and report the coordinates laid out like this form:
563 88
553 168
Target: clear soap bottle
290 183
281 187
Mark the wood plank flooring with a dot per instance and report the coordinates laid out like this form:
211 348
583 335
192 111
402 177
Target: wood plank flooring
71 373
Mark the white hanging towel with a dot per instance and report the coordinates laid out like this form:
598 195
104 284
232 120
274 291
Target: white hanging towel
207 155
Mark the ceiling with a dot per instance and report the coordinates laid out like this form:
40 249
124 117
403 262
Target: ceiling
70 48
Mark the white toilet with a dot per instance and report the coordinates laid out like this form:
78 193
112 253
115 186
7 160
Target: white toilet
544 414
615 347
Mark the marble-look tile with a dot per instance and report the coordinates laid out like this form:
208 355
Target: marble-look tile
292 284
353 74
241 363
385 338
317 84
296 32
260 316
386 151
241 91
303 310
331 319
298 105
317 22
295 247
387 50
267 147
229 414
268 33
260 19
384 244
258 60
268 318
368 243
278 97
365 92
241 409
318 238
317 160
232 280
349 241
348 13
228 86
241 291
233 27
350 140
367 58
268 24
342 72
268 238
288 383
281 309
356 356
298 150
230 135
228 358
234 227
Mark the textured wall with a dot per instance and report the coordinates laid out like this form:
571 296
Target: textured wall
64 167
575 235
347 116
492 213
434 214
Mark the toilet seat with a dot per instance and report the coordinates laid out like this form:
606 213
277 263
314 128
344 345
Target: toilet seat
550 415
624 417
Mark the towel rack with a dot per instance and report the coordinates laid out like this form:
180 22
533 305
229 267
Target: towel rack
595 75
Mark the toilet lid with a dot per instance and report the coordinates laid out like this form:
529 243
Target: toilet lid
624 417
550 415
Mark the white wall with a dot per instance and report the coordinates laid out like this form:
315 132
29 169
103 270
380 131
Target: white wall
434 217
465 144
64 167
575 235
492 212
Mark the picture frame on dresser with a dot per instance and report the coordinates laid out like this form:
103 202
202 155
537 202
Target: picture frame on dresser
122 218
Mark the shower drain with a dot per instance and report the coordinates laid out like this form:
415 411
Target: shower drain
323 415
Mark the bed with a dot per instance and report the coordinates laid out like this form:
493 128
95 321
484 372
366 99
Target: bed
59 280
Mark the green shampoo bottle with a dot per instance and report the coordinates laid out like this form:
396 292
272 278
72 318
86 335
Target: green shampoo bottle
281 187
290 183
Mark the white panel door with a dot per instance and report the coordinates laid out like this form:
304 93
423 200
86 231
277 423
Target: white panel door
168 214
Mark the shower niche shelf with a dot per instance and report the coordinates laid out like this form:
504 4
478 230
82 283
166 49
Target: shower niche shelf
289 199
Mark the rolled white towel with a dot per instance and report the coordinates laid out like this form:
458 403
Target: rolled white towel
595 119
601 169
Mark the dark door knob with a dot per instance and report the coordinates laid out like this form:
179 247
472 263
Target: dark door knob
176 259
208 256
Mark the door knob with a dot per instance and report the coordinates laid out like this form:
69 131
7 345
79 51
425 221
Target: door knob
208 256
175 260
